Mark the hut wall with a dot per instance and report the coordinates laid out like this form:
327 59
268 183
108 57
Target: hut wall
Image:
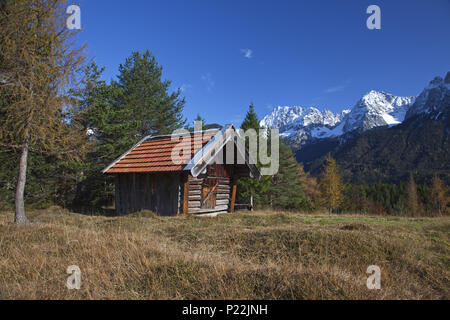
217 184
158 192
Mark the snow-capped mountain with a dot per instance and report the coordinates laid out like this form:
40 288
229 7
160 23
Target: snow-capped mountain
419 144
302 125
377 109
434 99
299 124
285 117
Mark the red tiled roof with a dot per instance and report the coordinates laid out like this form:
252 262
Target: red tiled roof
155 155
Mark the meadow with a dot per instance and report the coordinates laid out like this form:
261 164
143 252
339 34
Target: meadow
245 255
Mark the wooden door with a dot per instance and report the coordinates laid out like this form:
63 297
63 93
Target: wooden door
209 190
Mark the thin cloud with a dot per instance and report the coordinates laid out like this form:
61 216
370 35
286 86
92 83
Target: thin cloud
335 89
338 87
248 53
208 81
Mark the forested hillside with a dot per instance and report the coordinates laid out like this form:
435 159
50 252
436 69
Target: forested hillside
419 145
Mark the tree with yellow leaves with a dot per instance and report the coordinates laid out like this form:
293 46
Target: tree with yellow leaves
331 185
438 196
413 204
38 64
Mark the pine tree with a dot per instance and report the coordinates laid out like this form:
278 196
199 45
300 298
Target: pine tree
109 135
286 189
111 131
201 120
249 188
145 96
198 118
251 119
37 64
438 196
119 114
331 185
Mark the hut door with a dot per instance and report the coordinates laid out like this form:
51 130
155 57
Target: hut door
209 190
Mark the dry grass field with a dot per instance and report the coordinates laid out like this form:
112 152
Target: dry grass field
259 255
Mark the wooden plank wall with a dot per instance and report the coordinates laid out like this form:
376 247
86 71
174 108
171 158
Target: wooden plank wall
223 190
158 192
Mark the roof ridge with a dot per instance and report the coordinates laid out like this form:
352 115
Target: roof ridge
149 137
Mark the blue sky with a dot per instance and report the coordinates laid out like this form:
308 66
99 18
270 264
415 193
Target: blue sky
226 54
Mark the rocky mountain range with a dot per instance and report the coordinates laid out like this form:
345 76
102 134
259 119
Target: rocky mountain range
381 139
303 125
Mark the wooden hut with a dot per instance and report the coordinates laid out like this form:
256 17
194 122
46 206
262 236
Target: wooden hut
198 182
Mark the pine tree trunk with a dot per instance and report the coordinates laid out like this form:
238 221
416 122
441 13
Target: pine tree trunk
20 217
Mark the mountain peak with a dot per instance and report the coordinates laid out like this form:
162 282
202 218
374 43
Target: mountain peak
434 100
436 82
300 125
374 93
376 109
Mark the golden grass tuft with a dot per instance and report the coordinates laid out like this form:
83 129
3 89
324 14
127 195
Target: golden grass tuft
232 256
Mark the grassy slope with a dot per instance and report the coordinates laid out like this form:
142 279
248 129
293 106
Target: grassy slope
240 256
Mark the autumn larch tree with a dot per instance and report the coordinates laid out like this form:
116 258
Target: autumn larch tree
38 64
331 185
438 196
413 204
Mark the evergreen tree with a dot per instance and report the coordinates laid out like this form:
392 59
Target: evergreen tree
109 133
201 120
205 125
249 188
49 180
354 199
143 93
198 118
331 185
118 115
286 190
251 119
